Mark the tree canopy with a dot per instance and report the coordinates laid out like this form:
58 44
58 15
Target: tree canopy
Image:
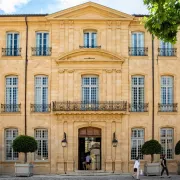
164 19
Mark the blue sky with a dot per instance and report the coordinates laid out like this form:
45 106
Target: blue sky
50 6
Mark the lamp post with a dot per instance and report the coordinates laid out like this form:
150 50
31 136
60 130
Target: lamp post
64 144
114 143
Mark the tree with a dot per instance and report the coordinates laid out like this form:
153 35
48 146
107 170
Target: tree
177 148
164 19
151 147
24 144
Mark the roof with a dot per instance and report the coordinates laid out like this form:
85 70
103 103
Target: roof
21 15
140 15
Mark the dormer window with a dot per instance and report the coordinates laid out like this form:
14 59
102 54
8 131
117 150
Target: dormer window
90 39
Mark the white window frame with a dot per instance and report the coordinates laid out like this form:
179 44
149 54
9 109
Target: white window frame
166 48
14 155
89 43
41 106
140 99
138 141
166 139
42 139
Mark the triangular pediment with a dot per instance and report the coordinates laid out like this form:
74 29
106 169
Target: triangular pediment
89 10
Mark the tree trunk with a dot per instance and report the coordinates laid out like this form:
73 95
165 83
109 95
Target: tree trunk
152 158
25 158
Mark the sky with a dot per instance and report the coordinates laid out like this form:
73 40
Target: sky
51 6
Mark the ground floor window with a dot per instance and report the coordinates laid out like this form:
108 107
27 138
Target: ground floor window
41 136
137 140
167 142
10 135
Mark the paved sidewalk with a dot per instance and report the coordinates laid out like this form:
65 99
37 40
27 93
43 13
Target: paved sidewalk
107 177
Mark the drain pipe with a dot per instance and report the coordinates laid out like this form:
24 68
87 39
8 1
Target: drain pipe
25 87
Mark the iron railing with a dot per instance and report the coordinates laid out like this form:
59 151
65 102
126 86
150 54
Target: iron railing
140 107
167 51
41 51
11 51
40 107
90 47
168 107
10 107
138 51
90 106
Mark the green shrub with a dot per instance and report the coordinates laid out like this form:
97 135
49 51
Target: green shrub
151 147
24 144
177 148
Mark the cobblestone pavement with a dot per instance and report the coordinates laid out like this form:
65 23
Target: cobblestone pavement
107 177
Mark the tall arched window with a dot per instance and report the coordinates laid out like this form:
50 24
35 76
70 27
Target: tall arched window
41 93
167 139
166 49
90 39
10 135
11 94
41 136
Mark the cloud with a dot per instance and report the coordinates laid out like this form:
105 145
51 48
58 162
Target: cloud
10 6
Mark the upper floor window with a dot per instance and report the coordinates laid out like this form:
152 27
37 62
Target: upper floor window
137 140
167 97
42 44
12 44
166 49
41 136
90 87
137 97
90 39
41 94
137 44
167 139
10 135
11 99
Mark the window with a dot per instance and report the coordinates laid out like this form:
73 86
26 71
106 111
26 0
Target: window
10 135
137 99
137 44
12 44
90 39
137 140
166 49
42 44
41 94
167 142
11 94
41 136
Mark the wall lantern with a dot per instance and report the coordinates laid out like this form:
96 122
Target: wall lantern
64 141
114 141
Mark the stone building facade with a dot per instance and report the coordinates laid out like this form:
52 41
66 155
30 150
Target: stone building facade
89 77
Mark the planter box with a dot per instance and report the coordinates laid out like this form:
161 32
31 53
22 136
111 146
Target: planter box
152 169
178 168
23 169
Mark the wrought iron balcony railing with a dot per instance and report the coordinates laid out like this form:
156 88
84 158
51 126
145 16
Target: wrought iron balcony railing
10 107
98 47
168 107
167 51
11 51
138 51
40 107
90 106
41 51
140 107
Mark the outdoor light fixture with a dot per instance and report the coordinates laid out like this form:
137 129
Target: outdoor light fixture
114 141
64 141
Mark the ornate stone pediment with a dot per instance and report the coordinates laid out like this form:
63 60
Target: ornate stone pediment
89 10
90 55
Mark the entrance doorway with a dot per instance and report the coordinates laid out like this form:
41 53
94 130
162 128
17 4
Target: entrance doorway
90 143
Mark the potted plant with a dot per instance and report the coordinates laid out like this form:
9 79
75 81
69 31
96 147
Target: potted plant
177 152
24 144
151 147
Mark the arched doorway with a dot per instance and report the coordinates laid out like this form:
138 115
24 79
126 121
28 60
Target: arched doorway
90 143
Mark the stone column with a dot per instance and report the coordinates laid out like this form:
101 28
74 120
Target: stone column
108 146
118 85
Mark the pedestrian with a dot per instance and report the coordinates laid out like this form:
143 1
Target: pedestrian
136 168
164 166
88 161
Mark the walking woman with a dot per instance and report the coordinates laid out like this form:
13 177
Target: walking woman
164 166
136 168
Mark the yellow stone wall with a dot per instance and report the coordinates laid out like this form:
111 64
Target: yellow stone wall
64 69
